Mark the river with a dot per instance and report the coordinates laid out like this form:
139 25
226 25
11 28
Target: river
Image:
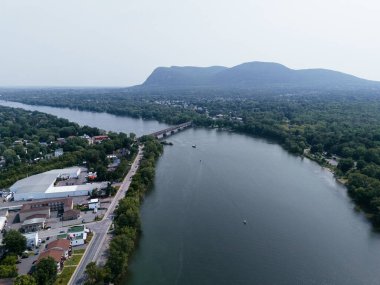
102 121
301 226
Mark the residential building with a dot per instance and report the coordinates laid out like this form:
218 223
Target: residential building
58 152
77 235
56 254
78 240
62 244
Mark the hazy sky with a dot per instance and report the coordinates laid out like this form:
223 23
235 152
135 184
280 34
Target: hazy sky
119 43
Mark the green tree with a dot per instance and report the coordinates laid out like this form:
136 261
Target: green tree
25 280
46 271
14 242
8 271
345 164
94 274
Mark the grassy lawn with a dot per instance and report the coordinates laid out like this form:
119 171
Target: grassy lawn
69 268
65 276
89 237
74 259
79 251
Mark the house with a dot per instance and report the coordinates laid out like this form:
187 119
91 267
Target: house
77 235
31 239
99 139
71 215
58 152
56 254
62 244
76 231
92 175
61 141
94 204
78 240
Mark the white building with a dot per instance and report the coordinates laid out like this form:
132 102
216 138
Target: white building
3 222
94 204
78 240
31 239
77 235
41 186
58 152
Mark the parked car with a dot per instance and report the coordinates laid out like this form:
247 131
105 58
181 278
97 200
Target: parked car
47 238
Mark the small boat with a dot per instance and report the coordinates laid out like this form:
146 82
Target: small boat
194 146
244 222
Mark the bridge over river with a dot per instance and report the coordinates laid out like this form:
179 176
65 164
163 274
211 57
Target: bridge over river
170 131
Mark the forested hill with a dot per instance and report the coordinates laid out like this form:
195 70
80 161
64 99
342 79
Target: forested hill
253 75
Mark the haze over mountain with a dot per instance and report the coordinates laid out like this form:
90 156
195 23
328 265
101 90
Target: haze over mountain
252 75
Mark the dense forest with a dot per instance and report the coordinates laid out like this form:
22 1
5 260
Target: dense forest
342 124
28 141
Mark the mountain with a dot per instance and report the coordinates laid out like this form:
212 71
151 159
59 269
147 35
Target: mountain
252 75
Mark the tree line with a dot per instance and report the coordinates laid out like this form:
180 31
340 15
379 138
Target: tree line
127 224
340 123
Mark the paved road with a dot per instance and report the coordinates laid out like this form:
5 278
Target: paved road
100 229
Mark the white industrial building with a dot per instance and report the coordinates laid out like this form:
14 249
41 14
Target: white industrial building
42 186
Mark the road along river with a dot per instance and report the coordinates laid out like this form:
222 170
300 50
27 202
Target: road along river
301 226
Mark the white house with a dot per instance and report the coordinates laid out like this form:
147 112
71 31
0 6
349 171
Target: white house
78 240
94 204
77 235
58 152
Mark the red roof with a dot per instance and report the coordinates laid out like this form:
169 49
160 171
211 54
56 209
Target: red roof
100 138
56 254
63 244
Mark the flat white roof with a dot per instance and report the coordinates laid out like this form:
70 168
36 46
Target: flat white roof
73 188
31 235
40 183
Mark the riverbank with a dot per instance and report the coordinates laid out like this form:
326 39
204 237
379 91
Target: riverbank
293 144
301 224
127 224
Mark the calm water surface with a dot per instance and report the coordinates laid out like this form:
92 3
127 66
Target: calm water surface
301 227
103 121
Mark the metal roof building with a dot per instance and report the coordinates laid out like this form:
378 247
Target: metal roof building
41 186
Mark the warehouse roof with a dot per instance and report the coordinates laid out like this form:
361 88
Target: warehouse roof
34 221
40 182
